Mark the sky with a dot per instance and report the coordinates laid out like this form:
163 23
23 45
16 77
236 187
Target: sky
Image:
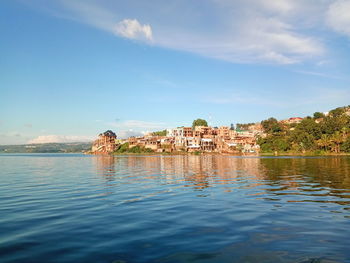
71 69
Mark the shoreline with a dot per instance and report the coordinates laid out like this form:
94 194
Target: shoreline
266 154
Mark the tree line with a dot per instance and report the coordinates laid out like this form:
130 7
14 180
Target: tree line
320 133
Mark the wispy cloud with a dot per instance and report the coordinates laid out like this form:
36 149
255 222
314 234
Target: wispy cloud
338 16
99 16
251 31
318 74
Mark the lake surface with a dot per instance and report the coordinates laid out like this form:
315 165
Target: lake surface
76 208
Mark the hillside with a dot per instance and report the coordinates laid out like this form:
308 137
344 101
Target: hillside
46 148
323 133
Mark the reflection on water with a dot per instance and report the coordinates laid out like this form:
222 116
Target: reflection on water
211 208
322 177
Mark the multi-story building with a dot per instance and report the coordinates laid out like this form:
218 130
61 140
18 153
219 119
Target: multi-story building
193 144
105 144
224 132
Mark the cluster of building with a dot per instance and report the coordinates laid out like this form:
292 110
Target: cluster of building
188 139
198 139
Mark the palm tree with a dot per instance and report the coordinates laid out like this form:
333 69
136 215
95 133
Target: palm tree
324 142
337 138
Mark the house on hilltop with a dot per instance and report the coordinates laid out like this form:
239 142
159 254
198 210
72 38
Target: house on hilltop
105 144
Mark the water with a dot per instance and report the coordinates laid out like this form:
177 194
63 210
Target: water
76 208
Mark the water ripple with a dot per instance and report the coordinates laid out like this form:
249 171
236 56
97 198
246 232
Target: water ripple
75 208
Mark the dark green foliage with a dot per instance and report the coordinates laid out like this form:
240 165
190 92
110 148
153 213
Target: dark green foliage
271 125
199 122
274 143
331 134
337 112
124 148
159 133
307 127
333 124
318 115
346 145
135 149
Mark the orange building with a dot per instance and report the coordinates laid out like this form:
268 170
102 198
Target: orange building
105 144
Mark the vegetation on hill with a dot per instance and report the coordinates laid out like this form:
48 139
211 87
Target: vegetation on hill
243 126
320 134
159 133
46 148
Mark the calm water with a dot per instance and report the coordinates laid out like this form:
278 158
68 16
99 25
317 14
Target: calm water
75 208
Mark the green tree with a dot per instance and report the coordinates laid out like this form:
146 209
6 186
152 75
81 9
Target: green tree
318 115
324 142
337 139
274 143
199 122
309 126
346 145
333 133
271 125
123 148
159 133
337 112
332 124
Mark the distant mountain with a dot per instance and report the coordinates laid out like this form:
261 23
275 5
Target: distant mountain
47 148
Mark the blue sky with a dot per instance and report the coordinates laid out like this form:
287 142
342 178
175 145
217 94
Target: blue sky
70 69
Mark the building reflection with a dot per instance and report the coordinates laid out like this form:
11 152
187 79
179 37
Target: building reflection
105 166
279 178
197 171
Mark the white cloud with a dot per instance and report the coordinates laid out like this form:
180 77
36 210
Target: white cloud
338 16
131 28
60 139
243 31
